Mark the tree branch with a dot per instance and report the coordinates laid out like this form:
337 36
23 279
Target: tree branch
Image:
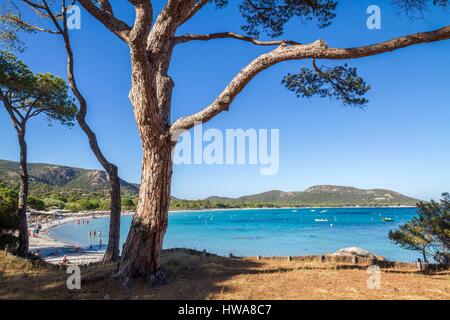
26 25
142 23
231 35
10 109
105 16
316 50
196 8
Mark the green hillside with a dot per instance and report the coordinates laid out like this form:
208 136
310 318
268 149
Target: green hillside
326 195
47 178
82 189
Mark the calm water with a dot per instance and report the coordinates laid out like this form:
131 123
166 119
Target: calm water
266 232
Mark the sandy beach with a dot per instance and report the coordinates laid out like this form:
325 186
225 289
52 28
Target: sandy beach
53 251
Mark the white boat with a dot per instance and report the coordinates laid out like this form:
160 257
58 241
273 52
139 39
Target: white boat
324 211
321 220
313 210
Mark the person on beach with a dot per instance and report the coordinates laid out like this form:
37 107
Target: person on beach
99 234
65 261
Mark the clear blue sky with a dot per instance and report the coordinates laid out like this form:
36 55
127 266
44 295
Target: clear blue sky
400 141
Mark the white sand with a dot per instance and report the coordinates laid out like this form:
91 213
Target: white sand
53 251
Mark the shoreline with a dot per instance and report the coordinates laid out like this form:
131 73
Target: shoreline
53 251
292 208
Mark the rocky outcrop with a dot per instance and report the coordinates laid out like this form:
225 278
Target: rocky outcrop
356 252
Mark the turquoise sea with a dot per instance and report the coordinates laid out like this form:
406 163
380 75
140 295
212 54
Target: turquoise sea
265 232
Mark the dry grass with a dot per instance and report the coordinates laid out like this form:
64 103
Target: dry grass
192 276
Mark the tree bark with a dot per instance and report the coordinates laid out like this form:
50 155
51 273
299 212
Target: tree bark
22 251
112 251
151 44
141 252
424 256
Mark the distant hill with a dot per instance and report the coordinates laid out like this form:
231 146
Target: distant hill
49 178
55 177
326 195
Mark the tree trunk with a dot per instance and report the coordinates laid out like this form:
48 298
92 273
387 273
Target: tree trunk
23 196
112 251
424 254
141 252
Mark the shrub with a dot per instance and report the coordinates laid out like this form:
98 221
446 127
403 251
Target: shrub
429 233
54 203
9 219
128 204
9 242
36 204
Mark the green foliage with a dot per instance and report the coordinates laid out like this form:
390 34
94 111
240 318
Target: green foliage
30 95
416 8
35 203
271 16
340 82
84 205
10 26
8 241
9 219
63 183
411 236
51 203
89 204
128 204
429 233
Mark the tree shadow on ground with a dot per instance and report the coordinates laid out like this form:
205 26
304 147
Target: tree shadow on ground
190 275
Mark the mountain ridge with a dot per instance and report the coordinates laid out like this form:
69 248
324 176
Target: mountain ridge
320 194
52 177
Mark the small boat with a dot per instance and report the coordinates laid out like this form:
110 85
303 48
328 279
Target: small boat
294 210
387 220
324 211
313 210
321 220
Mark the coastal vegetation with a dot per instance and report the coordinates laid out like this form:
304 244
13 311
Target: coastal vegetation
61 187
9 220
26 95
429 233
